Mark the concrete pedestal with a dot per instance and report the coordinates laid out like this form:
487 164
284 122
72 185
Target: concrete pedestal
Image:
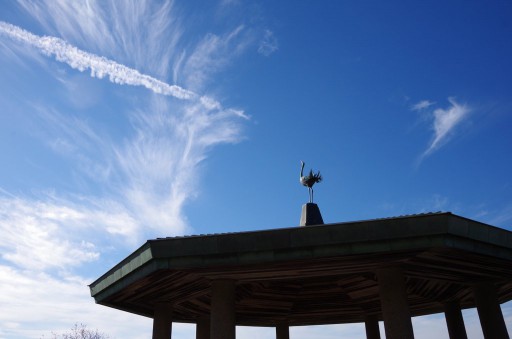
455 321
162 321
310 215
371 325
489 311
394 305
223 310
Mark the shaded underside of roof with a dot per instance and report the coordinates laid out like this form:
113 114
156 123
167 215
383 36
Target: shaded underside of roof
314 275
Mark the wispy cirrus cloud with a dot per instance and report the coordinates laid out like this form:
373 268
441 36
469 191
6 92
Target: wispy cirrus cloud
113 28
56 234
211 55
152 163
444 122
137 183
422 105
268 44
500 217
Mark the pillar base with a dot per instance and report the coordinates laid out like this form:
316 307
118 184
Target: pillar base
311 215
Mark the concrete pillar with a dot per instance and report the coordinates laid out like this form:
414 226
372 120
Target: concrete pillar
454 320
203 328
282 331
394 305
222 315
162 321
371 324
489 311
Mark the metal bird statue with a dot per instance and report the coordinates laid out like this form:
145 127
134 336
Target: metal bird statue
309 180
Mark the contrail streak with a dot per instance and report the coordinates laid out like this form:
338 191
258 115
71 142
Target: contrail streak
98 65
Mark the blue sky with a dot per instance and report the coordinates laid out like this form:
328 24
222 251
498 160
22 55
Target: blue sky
122 121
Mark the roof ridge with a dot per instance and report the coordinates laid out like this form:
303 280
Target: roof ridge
342 222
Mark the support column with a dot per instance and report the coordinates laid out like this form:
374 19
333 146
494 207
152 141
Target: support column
454 320
489 311
371 324
162 321
223 310
394 305
203 328
282 331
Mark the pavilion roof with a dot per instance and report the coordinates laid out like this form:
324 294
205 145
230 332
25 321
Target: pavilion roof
315 274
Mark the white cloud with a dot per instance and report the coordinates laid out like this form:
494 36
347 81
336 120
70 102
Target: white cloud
54 233
501 217
444 123
158 163
113 28
268 44
145 177
32 239
422 105
98 66
212 53
31 297
60 16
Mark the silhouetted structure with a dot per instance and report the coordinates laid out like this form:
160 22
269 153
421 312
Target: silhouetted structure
367 271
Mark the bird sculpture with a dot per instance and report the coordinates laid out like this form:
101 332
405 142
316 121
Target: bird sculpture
309 180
